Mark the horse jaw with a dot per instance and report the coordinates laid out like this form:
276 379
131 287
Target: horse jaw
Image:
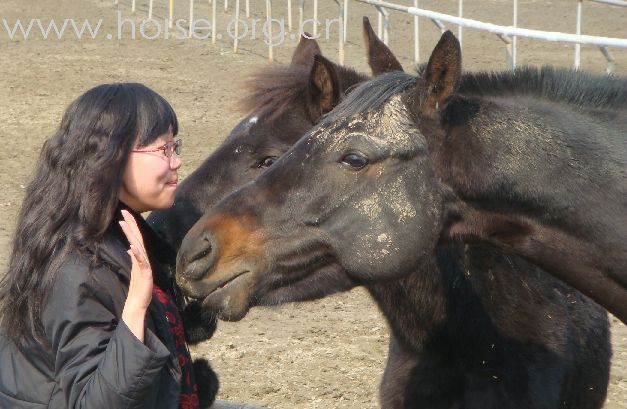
231 301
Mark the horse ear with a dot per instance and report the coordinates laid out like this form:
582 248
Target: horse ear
306 50
380 57
324 87
443 73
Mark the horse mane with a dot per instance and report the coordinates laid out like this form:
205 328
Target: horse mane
273 90
371 95
578 88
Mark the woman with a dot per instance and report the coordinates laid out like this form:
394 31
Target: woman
89 314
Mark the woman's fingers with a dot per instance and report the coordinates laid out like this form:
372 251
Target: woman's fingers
141 275
132 232
128 217
131 236
133 228
140 257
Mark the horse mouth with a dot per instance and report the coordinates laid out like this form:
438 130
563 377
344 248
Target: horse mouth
225 285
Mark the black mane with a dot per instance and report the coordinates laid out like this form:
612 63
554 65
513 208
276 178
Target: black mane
371 94
579 88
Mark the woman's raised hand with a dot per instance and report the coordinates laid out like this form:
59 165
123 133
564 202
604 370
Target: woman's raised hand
141 284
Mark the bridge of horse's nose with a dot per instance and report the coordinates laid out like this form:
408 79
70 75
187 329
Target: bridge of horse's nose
200 256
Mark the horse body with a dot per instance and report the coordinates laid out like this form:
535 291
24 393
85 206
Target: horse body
361 200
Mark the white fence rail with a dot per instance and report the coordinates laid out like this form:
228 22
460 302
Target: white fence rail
612 2
508 34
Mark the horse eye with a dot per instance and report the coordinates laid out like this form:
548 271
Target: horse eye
355 160
267 162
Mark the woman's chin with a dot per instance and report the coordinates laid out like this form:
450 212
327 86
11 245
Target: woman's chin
164 203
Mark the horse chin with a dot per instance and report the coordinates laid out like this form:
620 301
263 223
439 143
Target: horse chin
317 284
231 302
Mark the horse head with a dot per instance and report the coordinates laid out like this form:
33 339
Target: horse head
355 200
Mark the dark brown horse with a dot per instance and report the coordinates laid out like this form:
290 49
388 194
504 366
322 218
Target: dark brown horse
359 201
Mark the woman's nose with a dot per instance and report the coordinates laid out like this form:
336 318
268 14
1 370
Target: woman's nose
175 162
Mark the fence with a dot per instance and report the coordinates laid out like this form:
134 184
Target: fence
508 34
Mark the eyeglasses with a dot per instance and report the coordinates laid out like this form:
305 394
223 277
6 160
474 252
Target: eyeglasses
168 149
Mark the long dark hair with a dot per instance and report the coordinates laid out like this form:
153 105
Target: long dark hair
73 196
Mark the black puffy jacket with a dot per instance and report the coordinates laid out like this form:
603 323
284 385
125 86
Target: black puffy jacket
95 362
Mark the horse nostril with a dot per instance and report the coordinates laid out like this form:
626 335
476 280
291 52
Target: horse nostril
203 250
200 257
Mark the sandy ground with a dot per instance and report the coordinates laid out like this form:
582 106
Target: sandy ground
324 354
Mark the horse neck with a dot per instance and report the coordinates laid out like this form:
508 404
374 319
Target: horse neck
471 298
431 306
544 158
552 179
413 305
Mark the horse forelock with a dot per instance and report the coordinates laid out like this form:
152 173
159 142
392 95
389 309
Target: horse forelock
272 91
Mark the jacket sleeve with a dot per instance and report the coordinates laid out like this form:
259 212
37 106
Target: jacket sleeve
98 362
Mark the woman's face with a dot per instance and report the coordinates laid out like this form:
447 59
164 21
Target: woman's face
150 178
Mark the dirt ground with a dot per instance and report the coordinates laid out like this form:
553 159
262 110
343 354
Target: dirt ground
324 354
